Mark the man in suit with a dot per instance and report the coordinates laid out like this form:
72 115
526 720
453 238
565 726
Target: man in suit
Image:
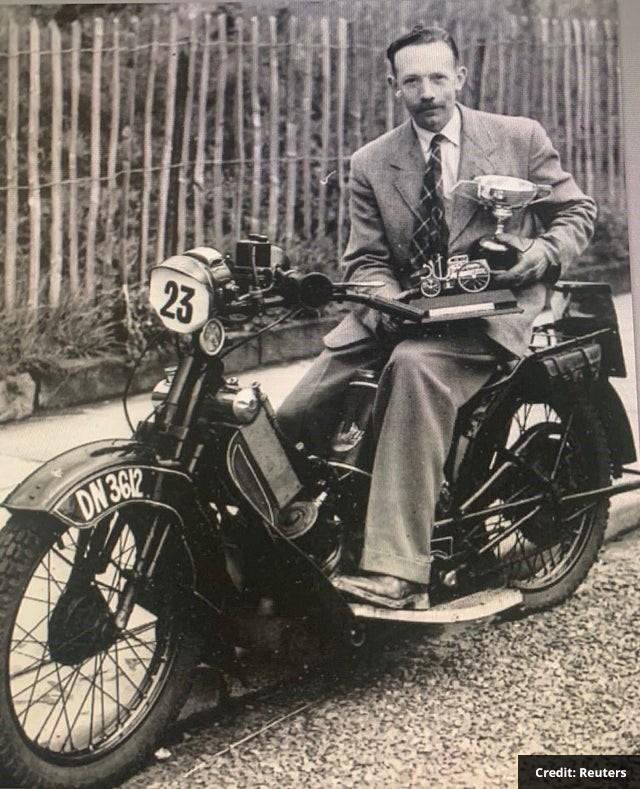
403 213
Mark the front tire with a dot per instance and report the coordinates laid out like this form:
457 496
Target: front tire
82 702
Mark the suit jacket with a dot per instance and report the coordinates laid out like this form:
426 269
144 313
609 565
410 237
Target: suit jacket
385 184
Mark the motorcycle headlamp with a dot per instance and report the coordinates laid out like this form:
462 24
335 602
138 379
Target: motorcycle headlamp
212 337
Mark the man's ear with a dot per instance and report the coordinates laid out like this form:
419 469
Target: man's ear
392 82
461 77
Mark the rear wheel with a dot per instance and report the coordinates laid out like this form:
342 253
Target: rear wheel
83 697
544 549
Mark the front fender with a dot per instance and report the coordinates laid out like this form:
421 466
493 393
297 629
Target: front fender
88 482
84 485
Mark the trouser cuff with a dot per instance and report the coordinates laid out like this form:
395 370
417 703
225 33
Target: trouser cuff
415 570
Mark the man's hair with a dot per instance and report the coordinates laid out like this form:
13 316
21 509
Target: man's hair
421 35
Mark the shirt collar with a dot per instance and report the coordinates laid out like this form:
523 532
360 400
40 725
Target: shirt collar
451 130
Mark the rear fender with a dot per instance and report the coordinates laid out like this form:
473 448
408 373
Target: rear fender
616 425
80 487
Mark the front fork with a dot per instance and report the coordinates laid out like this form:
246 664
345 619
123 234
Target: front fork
177 448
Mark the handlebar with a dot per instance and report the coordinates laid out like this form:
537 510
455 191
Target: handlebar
315 289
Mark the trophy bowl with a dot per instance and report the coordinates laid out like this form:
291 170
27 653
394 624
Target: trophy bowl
504 190
503 195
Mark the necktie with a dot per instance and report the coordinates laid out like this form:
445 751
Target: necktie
431 235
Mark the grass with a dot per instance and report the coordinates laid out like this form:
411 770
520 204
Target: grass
76 329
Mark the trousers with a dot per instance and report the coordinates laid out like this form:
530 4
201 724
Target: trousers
422 385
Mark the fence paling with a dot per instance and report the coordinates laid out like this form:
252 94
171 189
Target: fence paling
198 170
588 146
609 59
74 268
11 226
554 74
147 151
307 100
183 180
525 54
240 151
94 190
580 103
128 152
326 115
179 99
256 122
169 107
595 94
621 184
372 92
342 91
500 58
218 189
291 134
546 77
114 133
55 256
274 133
484 72
35 214
356 97
568 104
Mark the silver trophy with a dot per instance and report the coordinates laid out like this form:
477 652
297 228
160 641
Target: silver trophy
502 195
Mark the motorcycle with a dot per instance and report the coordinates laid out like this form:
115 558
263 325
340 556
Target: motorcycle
126 563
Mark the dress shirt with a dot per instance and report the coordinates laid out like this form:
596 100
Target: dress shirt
449 149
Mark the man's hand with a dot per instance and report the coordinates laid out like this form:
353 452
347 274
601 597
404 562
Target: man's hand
531 266
389 330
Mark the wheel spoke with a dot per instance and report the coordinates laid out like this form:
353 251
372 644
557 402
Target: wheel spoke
77 683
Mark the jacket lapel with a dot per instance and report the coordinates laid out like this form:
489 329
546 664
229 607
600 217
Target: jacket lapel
477 147
408 165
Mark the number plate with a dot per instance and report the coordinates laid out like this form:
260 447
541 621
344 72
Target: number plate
106 491
180 300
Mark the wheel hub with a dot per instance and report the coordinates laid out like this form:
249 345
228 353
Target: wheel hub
81 625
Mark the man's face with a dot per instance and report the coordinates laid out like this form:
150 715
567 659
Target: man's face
428 79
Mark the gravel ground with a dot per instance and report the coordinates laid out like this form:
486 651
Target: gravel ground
447 711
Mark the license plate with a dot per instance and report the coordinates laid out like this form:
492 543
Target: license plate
103 492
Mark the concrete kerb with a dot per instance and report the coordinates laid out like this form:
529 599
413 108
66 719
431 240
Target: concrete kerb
80 381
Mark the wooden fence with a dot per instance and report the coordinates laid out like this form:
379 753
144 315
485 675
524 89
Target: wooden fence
142 136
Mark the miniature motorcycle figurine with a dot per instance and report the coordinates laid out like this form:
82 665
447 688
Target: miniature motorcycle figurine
125 563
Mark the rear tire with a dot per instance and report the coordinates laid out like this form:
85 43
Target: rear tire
80 717
549 556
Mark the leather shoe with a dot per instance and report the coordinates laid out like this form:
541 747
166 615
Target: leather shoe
383 590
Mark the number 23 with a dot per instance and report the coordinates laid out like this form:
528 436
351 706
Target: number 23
184 310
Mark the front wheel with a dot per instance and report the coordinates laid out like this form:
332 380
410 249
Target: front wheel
83 696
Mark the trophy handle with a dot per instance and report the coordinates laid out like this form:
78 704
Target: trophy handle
544 190
467 194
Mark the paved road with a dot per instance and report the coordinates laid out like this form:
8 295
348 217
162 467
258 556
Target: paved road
443 712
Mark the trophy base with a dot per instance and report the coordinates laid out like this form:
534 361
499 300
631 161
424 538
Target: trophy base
462 306
499 256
